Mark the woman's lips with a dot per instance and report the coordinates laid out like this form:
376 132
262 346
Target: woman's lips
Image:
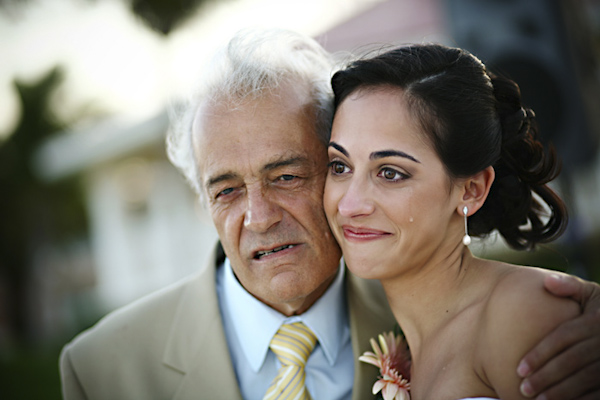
362 234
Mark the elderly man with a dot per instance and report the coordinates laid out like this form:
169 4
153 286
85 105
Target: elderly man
253 145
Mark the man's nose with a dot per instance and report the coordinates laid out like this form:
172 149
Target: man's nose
261 210
357 201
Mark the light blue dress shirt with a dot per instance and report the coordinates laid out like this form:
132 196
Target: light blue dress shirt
250 324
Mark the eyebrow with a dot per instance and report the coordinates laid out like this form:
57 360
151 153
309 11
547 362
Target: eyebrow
376 154
219 178
283 163
339 148
392 153
268 167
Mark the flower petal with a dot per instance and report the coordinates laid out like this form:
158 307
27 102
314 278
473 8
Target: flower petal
383 343
376 348
378 386
367 358
389 391
393 361
402 395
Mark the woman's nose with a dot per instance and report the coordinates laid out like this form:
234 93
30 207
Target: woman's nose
357 201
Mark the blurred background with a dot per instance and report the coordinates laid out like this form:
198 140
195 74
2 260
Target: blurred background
93 216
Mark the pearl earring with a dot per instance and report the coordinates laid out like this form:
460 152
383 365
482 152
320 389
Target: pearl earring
466 239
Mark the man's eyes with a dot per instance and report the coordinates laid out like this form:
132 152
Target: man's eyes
224 192
284 178
287 177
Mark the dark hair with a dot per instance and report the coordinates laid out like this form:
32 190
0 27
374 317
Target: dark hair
473 119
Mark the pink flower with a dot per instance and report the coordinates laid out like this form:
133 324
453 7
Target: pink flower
393 361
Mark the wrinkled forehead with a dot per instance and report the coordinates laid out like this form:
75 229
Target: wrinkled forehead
289 99
254 132
286 112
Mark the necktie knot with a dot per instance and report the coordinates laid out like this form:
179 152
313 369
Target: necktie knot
292 344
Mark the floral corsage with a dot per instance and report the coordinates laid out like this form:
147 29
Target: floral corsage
393 361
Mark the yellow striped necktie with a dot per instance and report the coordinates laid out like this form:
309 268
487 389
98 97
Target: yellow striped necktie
292 344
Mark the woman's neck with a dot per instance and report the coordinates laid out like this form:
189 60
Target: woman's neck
426 298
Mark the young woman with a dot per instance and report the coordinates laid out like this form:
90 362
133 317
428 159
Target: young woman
427 149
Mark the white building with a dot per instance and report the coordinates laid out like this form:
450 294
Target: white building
147 228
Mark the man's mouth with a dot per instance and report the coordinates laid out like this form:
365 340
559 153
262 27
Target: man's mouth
263 253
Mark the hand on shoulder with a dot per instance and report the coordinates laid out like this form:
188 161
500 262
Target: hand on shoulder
519 313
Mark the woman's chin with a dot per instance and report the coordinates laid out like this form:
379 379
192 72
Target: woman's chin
362 269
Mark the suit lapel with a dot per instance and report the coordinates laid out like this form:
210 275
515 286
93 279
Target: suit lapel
198 349
197 346
369 316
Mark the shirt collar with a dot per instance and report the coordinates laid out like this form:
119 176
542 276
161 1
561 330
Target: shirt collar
255 323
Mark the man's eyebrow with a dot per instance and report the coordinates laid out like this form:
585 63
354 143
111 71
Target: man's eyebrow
268 167
284 162
219 178
392 153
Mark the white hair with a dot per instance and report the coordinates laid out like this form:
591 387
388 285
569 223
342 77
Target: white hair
255 63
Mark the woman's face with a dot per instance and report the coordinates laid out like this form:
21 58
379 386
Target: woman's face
388 198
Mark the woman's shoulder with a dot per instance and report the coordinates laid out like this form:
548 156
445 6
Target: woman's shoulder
519 291
518 314
519 305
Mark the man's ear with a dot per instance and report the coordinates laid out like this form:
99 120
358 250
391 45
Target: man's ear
476 189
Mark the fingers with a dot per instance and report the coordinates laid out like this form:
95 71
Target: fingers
570 372
587 386
560 339
585 293
566 364
563 285
590 396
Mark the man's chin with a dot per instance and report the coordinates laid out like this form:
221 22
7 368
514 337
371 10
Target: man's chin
289 298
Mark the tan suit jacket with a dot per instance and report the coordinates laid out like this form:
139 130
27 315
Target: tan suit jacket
171 345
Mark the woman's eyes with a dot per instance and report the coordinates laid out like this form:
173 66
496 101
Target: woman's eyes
391 174
338 168
387 173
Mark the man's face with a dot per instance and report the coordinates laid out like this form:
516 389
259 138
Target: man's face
262 169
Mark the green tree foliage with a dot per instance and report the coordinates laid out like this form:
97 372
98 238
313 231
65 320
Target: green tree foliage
33 213
165 15
162 16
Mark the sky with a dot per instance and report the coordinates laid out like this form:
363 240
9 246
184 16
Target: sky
120 66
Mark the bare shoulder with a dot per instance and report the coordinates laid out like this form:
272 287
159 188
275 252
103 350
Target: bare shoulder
519 295
519 313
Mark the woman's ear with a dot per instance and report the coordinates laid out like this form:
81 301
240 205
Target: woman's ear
476 189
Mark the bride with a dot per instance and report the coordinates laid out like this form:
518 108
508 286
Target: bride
427 149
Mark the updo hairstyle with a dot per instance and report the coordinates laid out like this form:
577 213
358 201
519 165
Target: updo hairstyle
473 119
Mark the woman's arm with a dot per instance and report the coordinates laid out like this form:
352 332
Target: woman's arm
565 364
520 313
